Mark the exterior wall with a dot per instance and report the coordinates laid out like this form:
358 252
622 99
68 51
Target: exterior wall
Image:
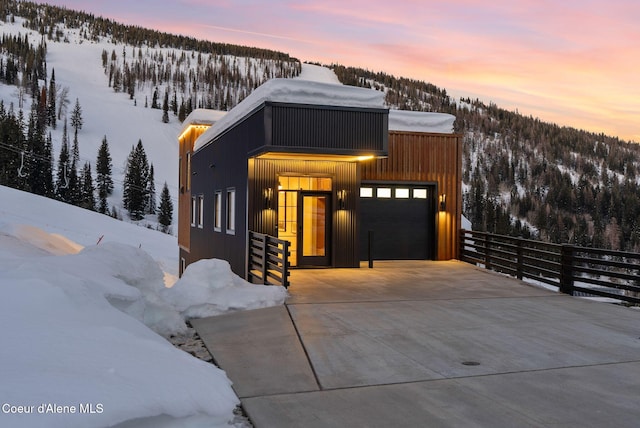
263 174
219 166
424 157
186 142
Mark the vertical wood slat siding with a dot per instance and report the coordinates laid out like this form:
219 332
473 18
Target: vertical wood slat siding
332 129
186 144
263 174
425 157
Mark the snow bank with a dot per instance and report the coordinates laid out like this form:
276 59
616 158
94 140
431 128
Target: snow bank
209 287
418 121
295 91
77 323
66 345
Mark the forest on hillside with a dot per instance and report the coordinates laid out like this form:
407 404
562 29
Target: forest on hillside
529 178
522 176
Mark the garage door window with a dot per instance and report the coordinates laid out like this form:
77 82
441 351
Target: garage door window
383 192
402 193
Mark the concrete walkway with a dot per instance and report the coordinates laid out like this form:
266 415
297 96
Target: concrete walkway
430 344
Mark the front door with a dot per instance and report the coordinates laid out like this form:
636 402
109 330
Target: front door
314 229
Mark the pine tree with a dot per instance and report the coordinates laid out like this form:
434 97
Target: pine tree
104 182
151 204
136 181
154 100
51 109
166 209
76 117
165 108
39 157
87 198
74 178
64 167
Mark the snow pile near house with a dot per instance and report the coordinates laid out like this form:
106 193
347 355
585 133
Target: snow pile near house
68 346
77 323
295 91
418 121
209 287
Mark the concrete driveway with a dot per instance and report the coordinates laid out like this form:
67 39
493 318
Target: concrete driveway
430 344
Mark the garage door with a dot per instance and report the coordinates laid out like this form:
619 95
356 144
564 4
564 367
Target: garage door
402 219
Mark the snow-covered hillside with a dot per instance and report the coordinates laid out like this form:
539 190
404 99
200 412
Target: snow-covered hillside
78 346
77 65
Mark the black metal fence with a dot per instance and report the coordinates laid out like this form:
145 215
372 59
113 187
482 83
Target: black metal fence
268 260
574 270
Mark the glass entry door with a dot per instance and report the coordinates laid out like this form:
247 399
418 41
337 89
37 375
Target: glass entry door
314 214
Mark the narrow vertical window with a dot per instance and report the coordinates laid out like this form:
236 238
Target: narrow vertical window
217 211
180 177
189 171
200 211
231 211
194 211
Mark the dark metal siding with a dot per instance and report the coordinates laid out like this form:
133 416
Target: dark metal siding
218 166
263 174
330 130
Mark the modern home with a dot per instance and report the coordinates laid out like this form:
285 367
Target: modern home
325 167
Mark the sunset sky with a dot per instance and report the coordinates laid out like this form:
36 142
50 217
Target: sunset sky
574 62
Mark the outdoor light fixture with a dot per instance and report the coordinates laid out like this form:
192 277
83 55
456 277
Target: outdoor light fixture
443 202
268 195
342 196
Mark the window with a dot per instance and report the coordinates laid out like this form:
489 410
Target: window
366 192
231 211
180 177
183 265
217 211
189 171
194 211
383 192
402 193
420 193
200 210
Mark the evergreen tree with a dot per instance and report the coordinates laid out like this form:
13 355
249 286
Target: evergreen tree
51 109
39 158
76 117
104 182
166 209
165 108
87 198
151 204
64 167
136 181
74 178
154 100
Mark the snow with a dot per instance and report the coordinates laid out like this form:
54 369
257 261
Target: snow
82 321
202 116
418 121
318 73
208 287
295 91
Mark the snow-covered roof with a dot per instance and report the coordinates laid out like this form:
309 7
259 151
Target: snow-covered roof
418 121
295 91
202 116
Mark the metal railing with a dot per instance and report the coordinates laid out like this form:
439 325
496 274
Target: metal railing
268 260
574 270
